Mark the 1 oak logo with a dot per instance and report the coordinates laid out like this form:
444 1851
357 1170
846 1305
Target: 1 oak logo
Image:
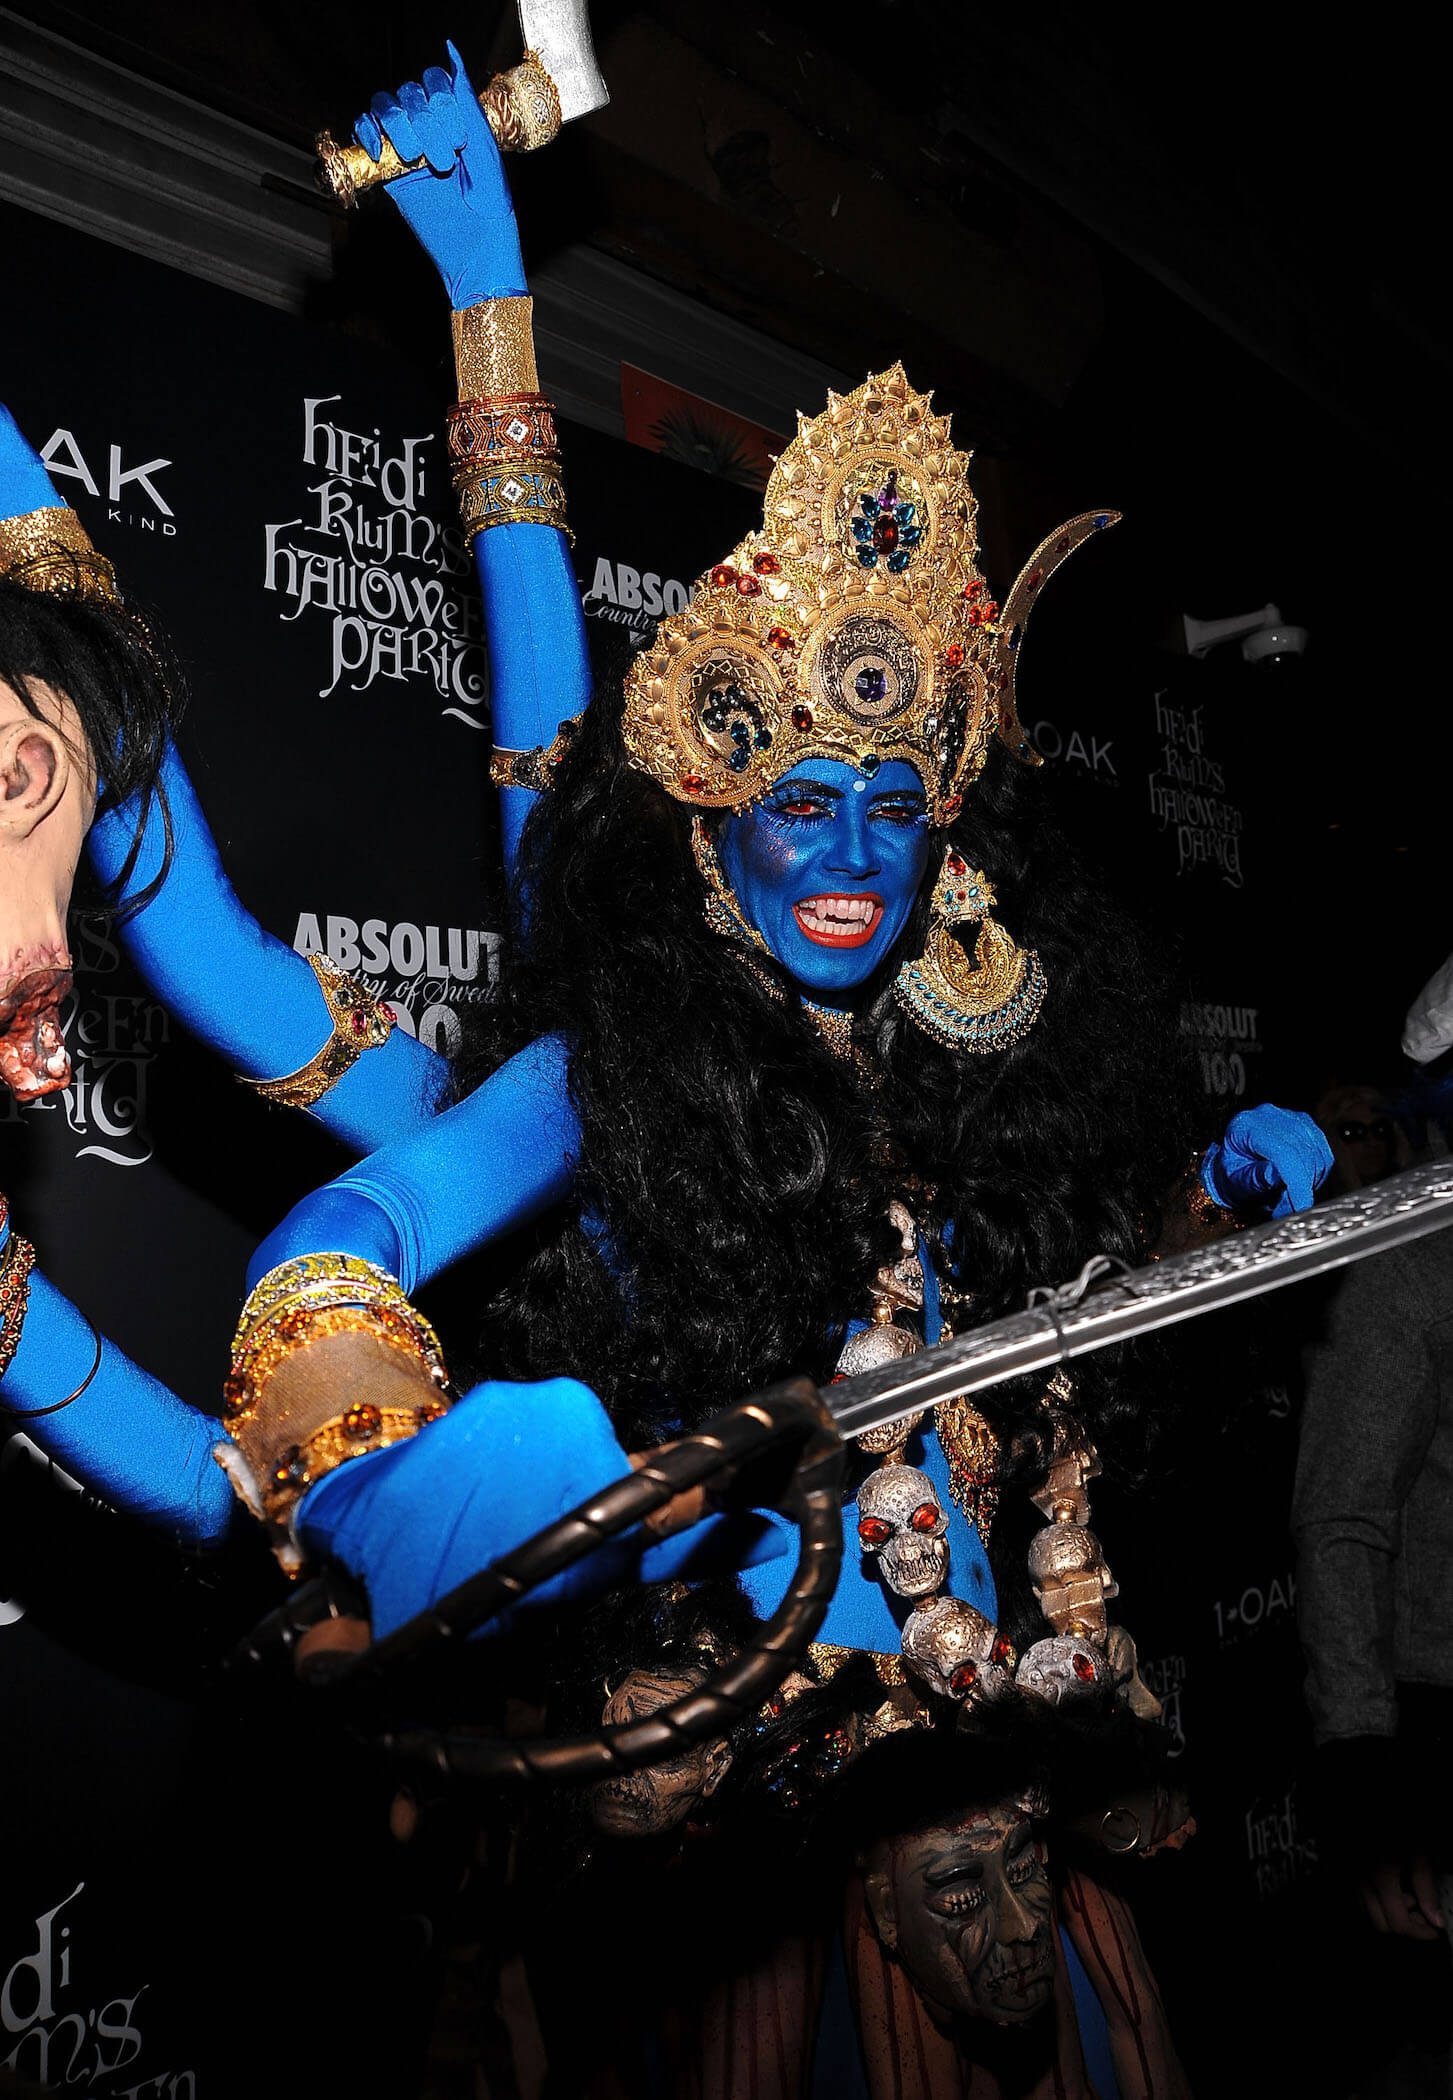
124 485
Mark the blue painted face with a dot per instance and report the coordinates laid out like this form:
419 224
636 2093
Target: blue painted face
826 867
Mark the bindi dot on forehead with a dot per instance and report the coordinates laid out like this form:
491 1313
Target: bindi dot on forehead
860 787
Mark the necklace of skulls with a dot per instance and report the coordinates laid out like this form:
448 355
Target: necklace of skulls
948 1645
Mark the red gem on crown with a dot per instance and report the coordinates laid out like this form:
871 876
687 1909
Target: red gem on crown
766 563
781 639
723 576
954 655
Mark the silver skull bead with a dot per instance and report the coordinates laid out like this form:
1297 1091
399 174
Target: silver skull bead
957 1651
902 1522
1065 1667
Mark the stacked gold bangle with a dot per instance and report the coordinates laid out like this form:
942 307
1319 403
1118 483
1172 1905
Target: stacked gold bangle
280 1448
50 550
16 1262
532 769
360 1022
502 442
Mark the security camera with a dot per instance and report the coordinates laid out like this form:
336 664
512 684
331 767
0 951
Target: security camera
1263 635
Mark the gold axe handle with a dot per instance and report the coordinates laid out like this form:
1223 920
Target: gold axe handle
521 107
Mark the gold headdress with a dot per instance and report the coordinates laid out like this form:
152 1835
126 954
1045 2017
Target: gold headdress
855 625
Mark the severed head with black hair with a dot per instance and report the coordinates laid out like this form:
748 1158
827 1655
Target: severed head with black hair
88 693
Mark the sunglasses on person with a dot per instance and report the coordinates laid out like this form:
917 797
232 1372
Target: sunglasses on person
1359 1133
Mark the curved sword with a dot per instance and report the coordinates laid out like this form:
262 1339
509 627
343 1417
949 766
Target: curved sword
1099 1307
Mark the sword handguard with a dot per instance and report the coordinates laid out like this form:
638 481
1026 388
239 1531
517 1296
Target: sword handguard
521 107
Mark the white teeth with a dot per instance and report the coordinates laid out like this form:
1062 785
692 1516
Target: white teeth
837 917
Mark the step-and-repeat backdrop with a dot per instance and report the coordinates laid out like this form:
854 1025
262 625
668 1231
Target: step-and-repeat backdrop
195 1884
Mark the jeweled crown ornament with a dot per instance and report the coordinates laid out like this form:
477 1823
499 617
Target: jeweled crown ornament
855 625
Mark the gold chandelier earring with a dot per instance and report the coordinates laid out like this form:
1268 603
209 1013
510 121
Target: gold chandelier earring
979 1005
722 912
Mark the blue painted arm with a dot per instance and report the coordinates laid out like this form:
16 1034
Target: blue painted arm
207 959
248 995
490 1163
1269 1155
459 207
127 1437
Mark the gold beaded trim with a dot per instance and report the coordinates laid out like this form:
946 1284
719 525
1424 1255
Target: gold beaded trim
532 769
514 495
494 349
360 1022
50 550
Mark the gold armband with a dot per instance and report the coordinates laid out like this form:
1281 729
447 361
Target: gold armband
507 430
360 1022
49 550
510 496
494 349
279 1448
532 769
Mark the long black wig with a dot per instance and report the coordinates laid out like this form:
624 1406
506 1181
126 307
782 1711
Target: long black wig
735 1174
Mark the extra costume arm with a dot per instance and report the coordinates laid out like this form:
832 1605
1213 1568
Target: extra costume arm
250 997
480 1169
1371 1408
502 435
125 1435
245 993
1269 1156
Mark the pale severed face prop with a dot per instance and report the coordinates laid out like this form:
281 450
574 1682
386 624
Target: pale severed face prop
47 796
964 1905
646 1804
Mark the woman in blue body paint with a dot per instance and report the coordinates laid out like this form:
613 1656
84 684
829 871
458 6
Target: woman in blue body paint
698 1121
735 1173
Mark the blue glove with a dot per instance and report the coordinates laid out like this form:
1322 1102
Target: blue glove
1267 1152
415 1520
24 483
459 205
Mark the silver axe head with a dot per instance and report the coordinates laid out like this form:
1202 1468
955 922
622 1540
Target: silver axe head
557 80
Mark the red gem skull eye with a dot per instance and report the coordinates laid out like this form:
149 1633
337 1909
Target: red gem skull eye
925 1517
873 1531
1002 1650
1083 1668
964 1678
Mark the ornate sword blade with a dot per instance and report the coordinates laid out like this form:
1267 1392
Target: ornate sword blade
1092 1313
558 32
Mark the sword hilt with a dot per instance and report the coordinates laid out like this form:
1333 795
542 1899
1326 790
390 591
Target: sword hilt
521 107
